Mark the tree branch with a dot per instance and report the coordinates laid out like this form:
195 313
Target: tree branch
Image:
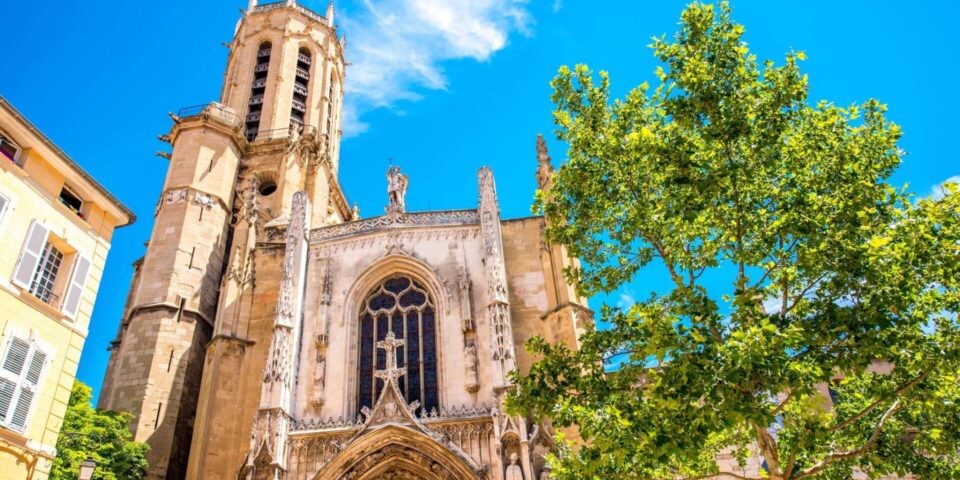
768 449
903 388
856 452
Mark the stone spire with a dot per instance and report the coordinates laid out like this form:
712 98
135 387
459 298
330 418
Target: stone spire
329 14
544 168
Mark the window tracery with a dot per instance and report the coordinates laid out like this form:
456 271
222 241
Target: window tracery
403 306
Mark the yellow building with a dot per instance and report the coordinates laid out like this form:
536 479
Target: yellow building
56 223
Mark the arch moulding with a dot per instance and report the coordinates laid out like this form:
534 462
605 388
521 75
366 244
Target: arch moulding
400 453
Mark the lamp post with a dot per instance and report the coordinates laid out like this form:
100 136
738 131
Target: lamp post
88 466
86 469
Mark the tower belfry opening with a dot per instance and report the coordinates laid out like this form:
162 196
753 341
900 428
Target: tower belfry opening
258 90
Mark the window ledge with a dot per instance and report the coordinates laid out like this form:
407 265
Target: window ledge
50 311
20 439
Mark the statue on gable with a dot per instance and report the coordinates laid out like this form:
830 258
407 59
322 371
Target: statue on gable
396 189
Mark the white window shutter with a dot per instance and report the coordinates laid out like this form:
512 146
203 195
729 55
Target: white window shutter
7 390
18 419
4 205
35 369
30 254
17 352
28 390
78 281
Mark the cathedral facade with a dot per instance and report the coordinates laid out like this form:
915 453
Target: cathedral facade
271 333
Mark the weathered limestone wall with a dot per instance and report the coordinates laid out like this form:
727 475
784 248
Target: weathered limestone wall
158 363
158 373
522 248
233 378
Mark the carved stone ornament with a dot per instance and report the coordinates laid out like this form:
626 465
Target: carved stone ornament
544 167
470 362
420 219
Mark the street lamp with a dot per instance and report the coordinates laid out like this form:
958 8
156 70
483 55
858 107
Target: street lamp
86 469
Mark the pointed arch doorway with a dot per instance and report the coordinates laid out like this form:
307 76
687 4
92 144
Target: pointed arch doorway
394 452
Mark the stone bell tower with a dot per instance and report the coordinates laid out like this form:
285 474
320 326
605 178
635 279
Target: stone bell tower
235 167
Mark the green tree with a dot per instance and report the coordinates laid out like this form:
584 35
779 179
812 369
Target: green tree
821 273
100 434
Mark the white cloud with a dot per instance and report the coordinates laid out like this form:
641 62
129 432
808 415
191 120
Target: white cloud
557 5
626 300
396 47
938 191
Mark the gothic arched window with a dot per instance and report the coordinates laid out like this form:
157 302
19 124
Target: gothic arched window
403 306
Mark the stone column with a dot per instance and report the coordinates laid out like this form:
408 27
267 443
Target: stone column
268 447
498 308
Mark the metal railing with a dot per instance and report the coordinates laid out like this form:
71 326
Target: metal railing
266 7
212 110
279 133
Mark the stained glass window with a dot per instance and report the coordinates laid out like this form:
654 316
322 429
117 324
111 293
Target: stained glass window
402 306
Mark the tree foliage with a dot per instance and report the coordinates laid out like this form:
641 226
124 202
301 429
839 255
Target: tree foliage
100 434
830 277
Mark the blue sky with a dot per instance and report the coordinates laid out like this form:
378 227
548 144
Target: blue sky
443 87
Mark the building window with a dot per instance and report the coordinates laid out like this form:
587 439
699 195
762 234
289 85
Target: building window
71 200
402 306
45 276
20 374
300 82
4 206
258 91
42 256
9 150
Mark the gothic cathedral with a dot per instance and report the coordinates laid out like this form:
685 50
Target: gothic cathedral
271 333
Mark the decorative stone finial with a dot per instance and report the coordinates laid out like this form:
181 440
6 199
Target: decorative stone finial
544 168
251 5
329 14
396 190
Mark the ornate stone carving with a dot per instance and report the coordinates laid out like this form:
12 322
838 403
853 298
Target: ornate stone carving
204 200
466 305
396 190
470 361
319 381
498 309
176 196
544 167
278 364
452 217
276 394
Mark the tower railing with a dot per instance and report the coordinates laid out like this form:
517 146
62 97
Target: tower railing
213 110
279 133
266 7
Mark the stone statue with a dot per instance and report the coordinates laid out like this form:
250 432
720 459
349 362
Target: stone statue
545 474
513 471
396 190
470 359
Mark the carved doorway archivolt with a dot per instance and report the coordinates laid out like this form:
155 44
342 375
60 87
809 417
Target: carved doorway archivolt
397 453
